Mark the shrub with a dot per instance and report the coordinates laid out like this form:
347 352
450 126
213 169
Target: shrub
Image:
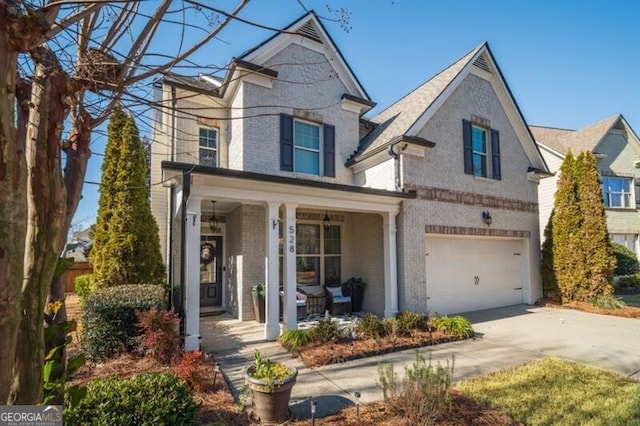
109 319
293 339
409 321
370 326
424 393
456 326
627 262
608 302
82 284
326 331
390 326
147 399
160 336
629 281
188 369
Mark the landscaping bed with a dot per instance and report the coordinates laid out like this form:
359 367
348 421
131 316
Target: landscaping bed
626 312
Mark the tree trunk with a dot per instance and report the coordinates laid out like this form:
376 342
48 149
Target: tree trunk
13 208
46 213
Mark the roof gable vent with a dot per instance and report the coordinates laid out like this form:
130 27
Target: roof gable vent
309 30
482 63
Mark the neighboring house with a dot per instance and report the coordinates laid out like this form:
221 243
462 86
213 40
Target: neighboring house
77 247
617 151
272 175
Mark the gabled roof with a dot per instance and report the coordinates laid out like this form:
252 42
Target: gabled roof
308 30
586 139
192 83
407 116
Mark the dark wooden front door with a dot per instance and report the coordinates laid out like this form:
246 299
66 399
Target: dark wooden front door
211 271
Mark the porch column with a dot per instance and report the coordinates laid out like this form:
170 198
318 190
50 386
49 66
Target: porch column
272 274
192 262
390 264
289 268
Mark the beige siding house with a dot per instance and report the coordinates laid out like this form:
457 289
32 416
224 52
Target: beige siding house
272 175
617 150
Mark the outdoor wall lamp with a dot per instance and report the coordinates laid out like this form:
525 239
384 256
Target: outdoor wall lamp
213 220
326 221
486 217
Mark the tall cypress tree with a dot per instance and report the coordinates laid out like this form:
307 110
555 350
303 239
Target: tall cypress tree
126 249
598 253
577 260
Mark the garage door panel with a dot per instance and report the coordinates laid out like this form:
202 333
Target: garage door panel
467 274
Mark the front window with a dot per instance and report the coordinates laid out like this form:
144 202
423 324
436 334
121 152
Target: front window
306 139
208 153
318 254
479 147
616 192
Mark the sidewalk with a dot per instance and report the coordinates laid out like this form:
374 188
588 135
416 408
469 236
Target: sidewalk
506 338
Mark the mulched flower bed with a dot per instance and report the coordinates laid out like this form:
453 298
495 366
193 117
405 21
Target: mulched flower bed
627 312
318 354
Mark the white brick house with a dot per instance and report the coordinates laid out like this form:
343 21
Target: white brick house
433 201
617 151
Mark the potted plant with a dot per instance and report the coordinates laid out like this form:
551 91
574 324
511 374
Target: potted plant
270 384
355 288
257 294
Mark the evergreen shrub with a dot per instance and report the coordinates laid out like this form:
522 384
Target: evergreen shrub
109 317
627 260
146 399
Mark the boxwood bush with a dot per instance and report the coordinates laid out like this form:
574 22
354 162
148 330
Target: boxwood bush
627 262
147 399
109 317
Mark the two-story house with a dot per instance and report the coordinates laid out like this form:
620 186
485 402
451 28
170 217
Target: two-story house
617 150
273 175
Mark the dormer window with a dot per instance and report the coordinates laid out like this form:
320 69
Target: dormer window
208 152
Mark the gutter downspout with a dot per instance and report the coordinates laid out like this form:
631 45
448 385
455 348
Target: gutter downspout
396 158
172 193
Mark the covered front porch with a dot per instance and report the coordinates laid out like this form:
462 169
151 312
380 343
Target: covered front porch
290 235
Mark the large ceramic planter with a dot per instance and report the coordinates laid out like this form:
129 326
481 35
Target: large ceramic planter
270 402
258 307
357 294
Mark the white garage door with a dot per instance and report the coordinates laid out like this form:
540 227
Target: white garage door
469 274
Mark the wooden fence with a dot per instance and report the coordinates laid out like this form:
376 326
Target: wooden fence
78 268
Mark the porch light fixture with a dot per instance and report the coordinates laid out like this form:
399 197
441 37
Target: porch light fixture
326 221
213 221
486 217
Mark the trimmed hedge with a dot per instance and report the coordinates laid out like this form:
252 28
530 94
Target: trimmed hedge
109 317
627 262
628 281
147 399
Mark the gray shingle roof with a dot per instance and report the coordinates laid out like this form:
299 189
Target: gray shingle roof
398 118
191 82
585 139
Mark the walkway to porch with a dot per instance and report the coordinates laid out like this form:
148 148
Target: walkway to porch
232 343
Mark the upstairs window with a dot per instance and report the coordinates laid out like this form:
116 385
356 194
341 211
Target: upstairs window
481 151
208 152
306 140
307 147
616 192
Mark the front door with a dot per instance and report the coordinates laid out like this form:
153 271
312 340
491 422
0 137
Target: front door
210 270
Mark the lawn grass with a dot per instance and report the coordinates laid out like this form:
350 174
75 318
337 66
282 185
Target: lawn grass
631 299
556 392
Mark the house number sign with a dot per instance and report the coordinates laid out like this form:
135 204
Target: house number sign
292 239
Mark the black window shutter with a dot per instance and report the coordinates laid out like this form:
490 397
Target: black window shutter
495 154
329 150
286 143
468 151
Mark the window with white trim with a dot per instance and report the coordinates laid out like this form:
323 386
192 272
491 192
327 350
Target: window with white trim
208 150
307 147
318 254
479 147
616 192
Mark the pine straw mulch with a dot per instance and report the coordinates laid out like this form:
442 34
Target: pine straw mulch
626 312
319 354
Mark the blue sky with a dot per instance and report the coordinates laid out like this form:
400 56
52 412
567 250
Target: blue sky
568 63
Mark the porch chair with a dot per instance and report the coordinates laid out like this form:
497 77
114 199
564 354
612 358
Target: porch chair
337 302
